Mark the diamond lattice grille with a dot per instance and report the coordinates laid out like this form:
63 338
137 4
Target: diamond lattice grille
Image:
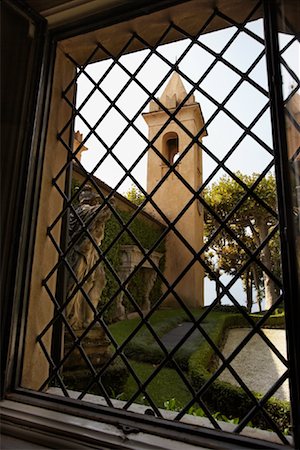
112 96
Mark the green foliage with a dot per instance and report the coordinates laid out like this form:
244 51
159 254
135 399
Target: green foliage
165 385
115 376
143 347
113 379
275 408
134 195
224 195
232 309
275 321
173 405
146 234
251 224
231 400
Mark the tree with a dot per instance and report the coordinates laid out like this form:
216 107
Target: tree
251 223
134 195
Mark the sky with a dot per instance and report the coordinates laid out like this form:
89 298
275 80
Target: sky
223 132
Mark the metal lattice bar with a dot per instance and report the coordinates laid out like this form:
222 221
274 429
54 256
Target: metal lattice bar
262 245
151 95
201 199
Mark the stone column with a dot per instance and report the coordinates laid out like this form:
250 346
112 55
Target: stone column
149 276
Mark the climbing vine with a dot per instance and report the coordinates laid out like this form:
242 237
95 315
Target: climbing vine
147 236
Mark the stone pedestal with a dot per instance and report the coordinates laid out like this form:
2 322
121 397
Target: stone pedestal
76 372
96 346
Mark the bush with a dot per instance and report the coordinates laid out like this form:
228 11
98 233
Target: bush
232 401
143 347
232 309
113 379
274 321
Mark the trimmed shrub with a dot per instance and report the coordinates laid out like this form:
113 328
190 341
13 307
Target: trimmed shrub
113 379
232 309
232 401
275 321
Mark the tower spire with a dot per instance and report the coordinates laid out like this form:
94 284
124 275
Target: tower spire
173 94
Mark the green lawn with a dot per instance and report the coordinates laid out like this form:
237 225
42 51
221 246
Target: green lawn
145 354
165 386
162 321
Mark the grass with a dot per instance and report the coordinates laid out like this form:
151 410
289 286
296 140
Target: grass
145 353
162 321
166 385
143 347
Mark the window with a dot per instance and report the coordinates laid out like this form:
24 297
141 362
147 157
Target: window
171 147
129 288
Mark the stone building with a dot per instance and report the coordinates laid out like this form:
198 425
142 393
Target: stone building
173 194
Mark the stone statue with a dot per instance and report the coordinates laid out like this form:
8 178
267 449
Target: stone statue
83 257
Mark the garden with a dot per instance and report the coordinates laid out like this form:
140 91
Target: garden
197 361
156 372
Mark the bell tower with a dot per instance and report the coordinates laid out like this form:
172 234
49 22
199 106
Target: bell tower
173 195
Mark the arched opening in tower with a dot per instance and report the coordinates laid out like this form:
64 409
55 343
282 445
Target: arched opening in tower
171 148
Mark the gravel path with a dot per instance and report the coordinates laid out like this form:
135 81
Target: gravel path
257 364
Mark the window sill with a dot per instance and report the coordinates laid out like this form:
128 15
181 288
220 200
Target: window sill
61 430
54 429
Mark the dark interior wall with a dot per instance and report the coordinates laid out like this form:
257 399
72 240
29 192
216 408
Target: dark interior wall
15 52
18 78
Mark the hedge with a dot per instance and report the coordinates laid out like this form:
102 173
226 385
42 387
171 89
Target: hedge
230 400
113 379
233 401
143 347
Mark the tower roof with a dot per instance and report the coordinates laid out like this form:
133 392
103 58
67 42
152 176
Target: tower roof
173 94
